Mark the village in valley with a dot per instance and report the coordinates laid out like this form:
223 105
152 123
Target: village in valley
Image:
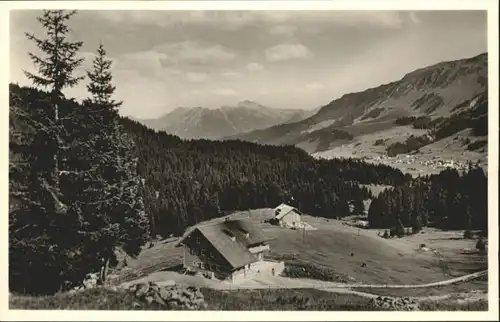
111 208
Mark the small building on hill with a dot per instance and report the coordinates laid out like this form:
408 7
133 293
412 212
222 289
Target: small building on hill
227 250
288 216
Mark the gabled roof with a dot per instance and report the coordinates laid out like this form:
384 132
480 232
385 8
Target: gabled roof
283 210
220 234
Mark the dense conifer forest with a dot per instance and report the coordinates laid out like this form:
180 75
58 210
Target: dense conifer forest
195 180
448 200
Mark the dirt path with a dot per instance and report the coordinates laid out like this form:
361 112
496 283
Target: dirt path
279 282
286 282
344 288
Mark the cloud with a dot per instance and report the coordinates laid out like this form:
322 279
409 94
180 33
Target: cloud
148 63
225 92
195 92
283 30
385 19
229 19
195 53
315 86
236 19
283 52
168 71
196 77
254 67
231 74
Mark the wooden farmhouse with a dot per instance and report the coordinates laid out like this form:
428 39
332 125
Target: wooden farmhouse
227 250
288 216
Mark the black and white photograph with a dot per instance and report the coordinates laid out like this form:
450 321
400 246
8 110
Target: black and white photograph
251 158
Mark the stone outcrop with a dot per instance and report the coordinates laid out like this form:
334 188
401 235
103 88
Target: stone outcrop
395 303
171 297
91 281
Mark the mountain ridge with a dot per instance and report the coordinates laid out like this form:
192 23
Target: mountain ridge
200 122
441 90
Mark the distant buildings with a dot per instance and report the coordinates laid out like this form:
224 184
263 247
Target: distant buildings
288 216
227 250
434 163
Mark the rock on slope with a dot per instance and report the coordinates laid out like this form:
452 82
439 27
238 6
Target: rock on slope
198 122
441 90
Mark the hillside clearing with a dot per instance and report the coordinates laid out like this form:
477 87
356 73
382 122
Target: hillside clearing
388 261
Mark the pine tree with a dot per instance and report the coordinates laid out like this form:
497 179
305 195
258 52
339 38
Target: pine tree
481 245
55 72
40 255
100 87
359 207
119 197
400 229
417 224
375 213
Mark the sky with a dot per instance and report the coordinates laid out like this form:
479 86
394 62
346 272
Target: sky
282 59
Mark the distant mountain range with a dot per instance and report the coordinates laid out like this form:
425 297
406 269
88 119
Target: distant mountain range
445 100
199 122
450 94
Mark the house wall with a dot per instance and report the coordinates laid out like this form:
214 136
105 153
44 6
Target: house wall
244 272
257 268
190 258
269 267
238 275
290 218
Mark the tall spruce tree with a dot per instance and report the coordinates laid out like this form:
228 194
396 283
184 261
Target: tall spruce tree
39 253
55 72
117 195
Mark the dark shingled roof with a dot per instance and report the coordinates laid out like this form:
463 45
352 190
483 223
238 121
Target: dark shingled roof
220 234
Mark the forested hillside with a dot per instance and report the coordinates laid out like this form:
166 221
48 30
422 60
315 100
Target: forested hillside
188 181
448 200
